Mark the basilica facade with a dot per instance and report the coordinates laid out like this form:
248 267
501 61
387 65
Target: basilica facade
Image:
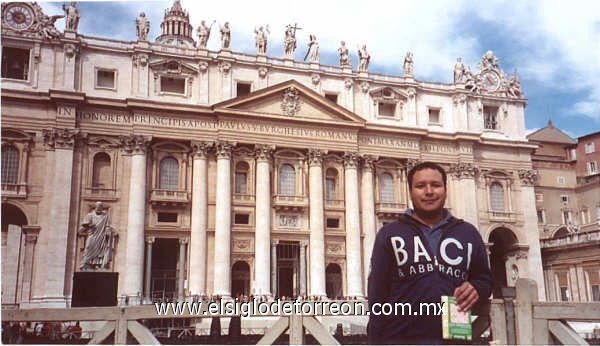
232 174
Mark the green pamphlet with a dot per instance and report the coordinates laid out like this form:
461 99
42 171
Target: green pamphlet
456 324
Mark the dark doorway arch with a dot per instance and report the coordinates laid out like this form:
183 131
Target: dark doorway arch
333 281
12 215
503 240
240 279
562 232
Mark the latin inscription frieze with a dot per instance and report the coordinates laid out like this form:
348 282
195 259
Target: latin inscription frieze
392 142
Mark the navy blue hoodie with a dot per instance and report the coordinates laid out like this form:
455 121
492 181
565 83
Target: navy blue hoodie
404 269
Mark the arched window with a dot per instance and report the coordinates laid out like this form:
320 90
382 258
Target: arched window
287 180
101 173
386 188
333 281
497 197
240 279
169 174
241 178
10 165
331 177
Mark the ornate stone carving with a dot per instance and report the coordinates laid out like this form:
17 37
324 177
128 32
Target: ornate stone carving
150 239
315 157
71 50
242 245
223 149
288 221
224 67
528 177
290 105
463 170
28 20
264 152
410 163
411 92
72 16
369 161
142 27
135 144
202 66
263 71
315 78
140 60
364 86
408 65
350 159
200 149
348 83
491 79
459 99
57 138
335 248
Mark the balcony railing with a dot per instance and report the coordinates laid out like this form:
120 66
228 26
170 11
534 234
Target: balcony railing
573 238
14 190
290 202
169 196
389 208
334 203
99 193
244 198
496 215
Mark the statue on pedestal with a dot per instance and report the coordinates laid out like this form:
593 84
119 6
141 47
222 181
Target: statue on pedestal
204 33
72 14
364 58
290 40
459 71
312 55
99 242
142 26
344 56
225 36
408 64
261 39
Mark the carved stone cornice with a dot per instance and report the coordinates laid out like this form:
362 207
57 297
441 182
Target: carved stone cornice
528 177
315 157
369 162
463 170
201 149
350 159
223 149
134 144
57 138
264 152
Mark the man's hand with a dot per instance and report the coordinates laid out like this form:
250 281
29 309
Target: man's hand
466 296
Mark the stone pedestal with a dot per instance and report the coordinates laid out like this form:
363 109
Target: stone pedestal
94 289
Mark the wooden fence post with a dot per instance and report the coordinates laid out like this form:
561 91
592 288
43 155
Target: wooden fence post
527 294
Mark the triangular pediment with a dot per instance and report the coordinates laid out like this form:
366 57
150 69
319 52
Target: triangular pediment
290 100
173 67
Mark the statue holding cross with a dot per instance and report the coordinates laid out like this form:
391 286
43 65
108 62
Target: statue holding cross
289 43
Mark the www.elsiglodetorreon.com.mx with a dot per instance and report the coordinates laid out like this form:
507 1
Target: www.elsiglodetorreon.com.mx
278 307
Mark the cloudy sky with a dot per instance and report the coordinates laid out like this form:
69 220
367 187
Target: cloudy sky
553 45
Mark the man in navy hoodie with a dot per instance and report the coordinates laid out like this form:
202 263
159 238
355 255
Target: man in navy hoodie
425 254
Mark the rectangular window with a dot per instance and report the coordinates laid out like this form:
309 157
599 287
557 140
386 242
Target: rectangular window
595 285
540 216
590 147
566 217
596 293
592 167
564 198
573 154
563 286
243 89
331 97
490 120
15 63
387 109
330 189
240 183
167 217
105 79
333 223
172 85
561 180
434 116
241 219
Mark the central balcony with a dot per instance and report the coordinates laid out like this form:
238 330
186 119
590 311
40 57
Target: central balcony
335 204
389 209
99 194
294 203
502 216
169 197
14 190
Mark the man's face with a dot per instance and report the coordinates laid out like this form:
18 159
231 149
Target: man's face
428 192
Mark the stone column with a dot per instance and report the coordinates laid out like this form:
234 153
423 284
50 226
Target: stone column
181 273
148 274
136 146
369 224
464 208
10 264
353 260
262 237
31 237
63 142
534 258
317 229
222 278
197 269
303 245
274 268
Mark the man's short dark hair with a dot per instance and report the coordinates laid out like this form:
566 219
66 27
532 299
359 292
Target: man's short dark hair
425 165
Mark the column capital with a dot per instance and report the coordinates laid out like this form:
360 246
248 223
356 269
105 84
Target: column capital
463 170
224 149
303 244
369 162
200 149
274 243
264 152
135 144
60 138
315 157
410 163
150 239
350 159
183 241
528 177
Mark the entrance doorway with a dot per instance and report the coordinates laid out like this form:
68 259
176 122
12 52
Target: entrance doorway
503 240
288 259
240 279
333 281
165 253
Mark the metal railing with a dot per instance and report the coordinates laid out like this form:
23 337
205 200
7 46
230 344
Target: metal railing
169 195
14 190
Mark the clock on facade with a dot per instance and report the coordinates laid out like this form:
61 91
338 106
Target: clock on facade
18 16
491 80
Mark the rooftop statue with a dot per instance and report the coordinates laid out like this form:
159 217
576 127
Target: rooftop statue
204 33
289 42
225 36
344 55
408 64
459 71
488 61
142 26
261 39
313 50
72 14
364 58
